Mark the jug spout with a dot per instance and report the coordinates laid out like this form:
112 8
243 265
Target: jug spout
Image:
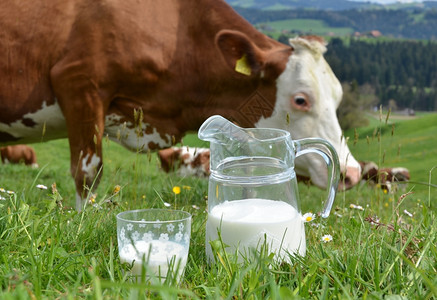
231 143
217 129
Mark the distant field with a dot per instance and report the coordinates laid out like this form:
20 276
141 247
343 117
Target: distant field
306 26
404 142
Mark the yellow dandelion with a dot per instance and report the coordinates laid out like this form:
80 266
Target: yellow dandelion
186 187
116 189
176 190
386 204
143 196
93 198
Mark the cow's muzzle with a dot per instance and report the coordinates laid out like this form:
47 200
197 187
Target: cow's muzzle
349 178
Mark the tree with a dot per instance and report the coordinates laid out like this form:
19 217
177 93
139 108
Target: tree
350 112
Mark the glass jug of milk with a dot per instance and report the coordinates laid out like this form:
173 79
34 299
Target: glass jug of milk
253 195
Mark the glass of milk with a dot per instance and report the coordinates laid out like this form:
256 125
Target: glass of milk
154 242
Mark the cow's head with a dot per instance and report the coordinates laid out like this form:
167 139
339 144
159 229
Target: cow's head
308 94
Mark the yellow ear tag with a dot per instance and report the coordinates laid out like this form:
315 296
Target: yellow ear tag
242 66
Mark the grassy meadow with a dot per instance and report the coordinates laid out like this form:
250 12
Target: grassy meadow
384 244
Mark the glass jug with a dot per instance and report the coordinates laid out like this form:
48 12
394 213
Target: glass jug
253 194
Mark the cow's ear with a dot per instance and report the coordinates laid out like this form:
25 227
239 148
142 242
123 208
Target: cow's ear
239 52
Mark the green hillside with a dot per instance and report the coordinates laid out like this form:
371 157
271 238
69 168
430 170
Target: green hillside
307 26
408 143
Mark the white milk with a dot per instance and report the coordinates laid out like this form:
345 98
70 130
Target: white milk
245 224
163 252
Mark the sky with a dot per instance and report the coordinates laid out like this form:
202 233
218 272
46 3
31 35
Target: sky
390 1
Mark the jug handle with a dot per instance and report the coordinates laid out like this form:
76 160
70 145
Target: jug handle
329 155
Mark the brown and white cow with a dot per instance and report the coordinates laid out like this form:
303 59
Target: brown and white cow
16 154
143 72
384 177
186 161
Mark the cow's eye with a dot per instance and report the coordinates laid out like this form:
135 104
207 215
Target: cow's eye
300 101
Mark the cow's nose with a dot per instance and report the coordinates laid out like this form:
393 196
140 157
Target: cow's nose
350 178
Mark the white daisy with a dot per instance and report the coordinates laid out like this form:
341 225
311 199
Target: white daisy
408 213
359 207
327 238
308 217
41 186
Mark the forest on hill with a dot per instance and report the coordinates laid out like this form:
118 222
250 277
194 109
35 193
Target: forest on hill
402 73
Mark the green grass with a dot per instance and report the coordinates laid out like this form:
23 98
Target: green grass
52 252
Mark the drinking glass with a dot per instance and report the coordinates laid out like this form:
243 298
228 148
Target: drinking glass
154 242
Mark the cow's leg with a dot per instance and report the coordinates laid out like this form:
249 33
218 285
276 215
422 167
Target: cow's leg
3 154
85 155
33 160
84 109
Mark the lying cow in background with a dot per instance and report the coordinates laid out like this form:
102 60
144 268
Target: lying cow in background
145 72
385 177
186 161
19 154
